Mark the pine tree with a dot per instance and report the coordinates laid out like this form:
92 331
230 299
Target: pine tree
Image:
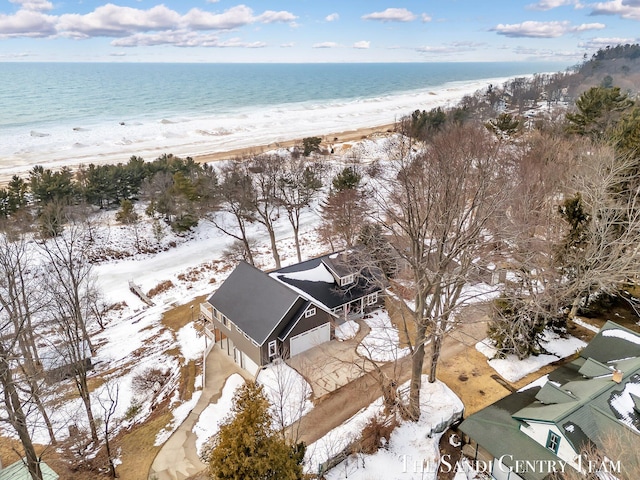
247 446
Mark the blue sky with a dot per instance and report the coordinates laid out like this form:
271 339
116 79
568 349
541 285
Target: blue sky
313 30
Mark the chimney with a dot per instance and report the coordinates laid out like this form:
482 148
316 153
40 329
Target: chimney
617 375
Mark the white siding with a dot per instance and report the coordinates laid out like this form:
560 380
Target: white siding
540 432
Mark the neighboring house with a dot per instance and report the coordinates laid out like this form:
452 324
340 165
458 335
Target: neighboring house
256 317
581 405
19 471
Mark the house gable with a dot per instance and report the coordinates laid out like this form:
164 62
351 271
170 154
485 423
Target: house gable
269 301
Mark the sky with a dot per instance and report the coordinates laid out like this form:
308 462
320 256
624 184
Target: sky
313 30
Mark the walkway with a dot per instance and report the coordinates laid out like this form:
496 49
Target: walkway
178 459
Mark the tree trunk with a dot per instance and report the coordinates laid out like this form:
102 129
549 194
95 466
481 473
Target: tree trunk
296 238
436 346
274 245
417 361
18 421
574 308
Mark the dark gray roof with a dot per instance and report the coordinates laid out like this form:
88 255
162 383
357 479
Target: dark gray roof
325 293
253 301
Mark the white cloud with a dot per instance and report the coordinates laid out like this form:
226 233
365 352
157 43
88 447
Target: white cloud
232 18
332 17
287 45
34 5
547 54
362 44
111 20
391 15
543 29
629 9
114 21
274 17
183 39
326 45
601 42
550 4
26 23
436 49
426 18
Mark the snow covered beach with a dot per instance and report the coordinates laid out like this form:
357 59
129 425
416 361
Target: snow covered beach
213 134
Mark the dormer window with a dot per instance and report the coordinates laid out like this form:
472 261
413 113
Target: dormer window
553 442
348 280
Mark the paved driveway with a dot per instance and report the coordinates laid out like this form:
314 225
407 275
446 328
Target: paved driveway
333 364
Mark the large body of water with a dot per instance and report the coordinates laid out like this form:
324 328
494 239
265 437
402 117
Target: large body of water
57 114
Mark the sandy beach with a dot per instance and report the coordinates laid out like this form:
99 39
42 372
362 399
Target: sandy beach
327 140
226 154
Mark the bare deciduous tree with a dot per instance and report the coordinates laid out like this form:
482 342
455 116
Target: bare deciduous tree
298 185
436 207
236 193
607 254
265 171
70 285
20 298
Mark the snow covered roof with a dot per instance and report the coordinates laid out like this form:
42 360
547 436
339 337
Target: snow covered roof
314 280
580 398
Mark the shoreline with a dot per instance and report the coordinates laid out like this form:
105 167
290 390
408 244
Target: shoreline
346 136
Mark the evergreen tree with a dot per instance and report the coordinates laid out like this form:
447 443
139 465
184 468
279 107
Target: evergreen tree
247 446
310 145
599 110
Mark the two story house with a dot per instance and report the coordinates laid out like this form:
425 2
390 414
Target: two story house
256 317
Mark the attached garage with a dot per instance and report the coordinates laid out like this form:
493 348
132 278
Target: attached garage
244 361
309 339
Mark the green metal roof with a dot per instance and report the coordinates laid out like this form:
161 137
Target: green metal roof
19 471
499 433
581 403
592 368
550 393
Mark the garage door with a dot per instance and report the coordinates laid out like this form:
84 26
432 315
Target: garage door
310 339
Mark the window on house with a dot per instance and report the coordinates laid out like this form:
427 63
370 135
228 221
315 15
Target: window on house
238 329
273 350
311 311
225 321
553 442
216 313
373 298
346 280
246 336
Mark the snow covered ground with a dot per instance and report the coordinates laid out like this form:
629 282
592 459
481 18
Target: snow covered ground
382 343
512 369
214 415
409 443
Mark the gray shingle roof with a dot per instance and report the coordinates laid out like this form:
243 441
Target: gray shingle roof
253 301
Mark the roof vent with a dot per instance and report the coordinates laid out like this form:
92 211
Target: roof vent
617 375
